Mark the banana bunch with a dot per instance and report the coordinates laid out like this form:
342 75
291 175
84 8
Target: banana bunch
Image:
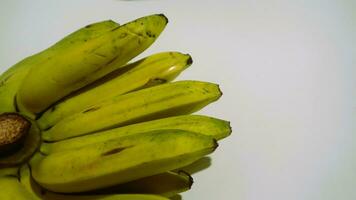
78 121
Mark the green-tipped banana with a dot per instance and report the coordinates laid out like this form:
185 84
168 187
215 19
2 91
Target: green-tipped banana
76 66
166 184
161 101
11 80
216 128
155 69
119 161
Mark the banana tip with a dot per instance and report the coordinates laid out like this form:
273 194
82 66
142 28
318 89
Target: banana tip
164 16
219 89
190 60
191 180
230 127
216 144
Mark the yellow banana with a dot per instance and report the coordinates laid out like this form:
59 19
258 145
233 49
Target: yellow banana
161 101
216 128
53 196
76 66
11 80
12 189
36 192
24 177
166 184
119 161
155 69
11 171
107 130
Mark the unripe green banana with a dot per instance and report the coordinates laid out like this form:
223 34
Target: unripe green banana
119 161
216 128
74 67
177 98
155 69
11 80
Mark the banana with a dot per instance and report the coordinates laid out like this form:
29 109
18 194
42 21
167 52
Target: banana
102 129
24 177
11 80
36 192
119 161
53 196
176 197
11 171
166 184
71 68
156 69
216 128
12 189
161 101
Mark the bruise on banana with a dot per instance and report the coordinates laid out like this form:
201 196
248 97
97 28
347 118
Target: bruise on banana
115 150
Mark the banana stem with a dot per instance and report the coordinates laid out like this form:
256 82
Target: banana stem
13 131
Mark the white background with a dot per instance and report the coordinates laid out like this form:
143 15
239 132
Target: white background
287 70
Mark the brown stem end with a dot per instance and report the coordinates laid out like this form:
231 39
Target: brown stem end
13 131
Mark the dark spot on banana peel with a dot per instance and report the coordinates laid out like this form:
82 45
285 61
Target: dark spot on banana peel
97 69
114 29
53 108
15 104
115 151
79 80
150 34
122 35
3 82
206 91
159 80
112 60
100 55
91 109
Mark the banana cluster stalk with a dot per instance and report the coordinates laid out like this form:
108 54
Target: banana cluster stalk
104 127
